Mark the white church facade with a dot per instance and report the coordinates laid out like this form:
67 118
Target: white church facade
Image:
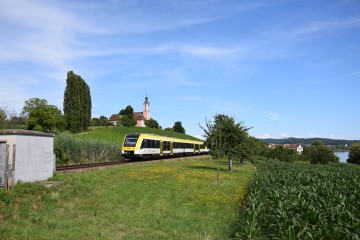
140 117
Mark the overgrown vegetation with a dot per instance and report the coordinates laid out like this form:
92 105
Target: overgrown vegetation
70 151
160 200
302 201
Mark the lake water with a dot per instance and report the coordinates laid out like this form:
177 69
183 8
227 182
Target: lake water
343 156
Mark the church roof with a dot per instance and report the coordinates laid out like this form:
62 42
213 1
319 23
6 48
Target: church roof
138 116
114 117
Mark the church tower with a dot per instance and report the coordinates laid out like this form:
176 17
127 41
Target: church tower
146 112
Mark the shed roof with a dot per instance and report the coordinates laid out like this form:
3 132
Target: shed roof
25 132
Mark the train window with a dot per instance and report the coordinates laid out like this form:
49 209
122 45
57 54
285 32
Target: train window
148 143
166 146
130 141
144 143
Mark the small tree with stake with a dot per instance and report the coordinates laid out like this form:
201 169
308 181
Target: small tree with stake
225 137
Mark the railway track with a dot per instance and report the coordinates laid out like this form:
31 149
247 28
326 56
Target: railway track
74 168
88 166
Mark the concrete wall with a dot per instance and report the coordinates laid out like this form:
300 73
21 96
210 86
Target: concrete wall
33 158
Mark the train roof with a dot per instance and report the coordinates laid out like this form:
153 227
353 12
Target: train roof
159 137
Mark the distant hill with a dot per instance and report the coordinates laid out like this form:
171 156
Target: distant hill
116 134
309 141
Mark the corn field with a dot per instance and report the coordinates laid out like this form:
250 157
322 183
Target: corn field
71 151
303 201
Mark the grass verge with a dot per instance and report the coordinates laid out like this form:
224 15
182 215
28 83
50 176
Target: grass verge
158 200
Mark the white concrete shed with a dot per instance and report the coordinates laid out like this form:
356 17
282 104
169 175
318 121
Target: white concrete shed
25 156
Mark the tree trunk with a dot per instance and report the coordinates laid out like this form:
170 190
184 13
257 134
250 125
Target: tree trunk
230 164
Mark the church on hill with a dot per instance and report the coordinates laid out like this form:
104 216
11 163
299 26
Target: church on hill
140 117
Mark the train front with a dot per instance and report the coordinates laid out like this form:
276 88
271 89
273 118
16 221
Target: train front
129 145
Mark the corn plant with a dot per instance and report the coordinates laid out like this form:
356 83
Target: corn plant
303 201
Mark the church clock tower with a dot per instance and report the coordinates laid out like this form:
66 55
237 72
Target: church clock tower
146 112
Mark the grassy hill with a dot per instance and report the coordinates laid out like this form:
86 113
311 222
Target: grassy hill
116 134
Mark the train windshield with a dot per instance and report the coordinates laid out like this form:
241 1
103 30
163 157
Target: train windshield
131 139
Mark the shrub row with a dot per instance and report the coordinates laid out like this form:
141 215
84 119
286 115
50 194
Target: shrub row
71 151
303 201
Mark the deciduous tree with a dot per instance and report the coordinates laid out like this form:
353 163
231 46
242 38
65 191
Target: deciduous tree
225 137
126 121
3 117
318 153
282 154
354 153
151 123
46 118
128 111
32 103
178 127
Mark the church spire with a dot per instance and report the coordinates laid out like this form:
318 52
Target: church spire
146 112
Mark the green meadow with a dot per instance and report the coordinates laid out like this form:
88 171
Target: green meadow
180 199
116 134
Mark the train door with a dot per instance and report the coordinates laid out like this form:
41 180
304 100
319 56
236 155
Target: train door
161 148
171 148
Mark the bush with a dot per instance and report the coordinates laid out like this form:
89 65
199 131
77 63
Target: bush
126 121
354 154
71 151
318 153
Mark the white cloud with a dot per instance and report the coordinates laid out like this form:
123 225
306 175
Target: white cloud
265 135
320 26
354 73
284 135
272 115
312 135
211 52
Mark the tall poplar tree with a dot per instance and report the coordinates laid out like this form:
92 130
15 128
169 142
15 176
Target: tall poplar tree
77 103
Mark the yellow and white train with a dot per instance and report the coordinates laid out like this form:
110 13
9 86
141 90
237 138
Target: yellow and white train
141 145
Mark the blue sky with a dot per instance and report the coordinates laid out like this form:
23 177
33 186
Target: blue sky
286 68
